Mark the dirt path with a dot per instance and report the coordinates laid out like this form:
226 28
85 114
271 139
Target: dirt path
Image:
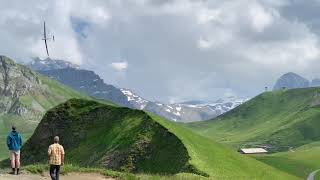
71 176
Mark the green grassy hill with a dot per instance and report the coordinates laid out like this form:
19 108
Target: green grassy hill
25 96
280 119
98 135
299 162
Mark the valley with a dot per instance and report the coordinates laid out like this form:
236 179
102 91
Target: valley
279 120
160 90
100 134
140 140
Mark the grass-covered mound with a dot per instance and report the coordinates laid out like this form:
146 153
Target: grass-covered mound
95 134
281 119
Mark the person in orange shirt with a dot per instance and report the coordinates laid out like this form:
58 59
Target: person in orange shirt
56 158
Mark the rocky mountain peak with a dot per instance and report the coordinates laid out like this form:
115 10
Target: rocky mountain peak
38 64
291 80
15 79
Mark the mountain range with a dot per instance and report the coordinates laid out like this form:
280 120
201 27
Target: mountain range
90 83
98 134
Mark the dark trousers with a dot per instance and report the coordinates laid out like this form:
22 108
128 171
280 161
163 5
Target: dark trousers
54 172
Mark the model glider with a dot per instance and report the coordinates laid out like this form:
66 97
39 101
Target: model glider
45 37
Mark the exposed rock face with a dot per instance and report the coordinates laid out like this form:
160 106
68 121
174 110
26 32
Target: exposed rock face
89 83
291 81
25 95
15 82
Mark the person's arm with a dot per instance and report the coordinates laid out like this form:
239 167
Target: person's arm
62 159
8 142
49 152
20 140
62 156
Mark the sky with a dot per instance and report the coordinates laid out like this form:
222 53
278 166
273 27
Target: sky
171 50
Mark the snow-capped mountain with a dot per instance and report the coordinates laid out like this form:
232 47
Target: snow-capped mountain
38 64
90 83
186 111
135 100
192 112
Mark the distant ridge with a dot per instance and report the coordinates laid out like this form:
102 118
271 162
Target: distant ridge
90 83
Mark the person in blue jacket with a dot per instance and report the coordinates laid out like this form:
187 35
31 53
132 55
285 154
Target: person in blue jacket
14 143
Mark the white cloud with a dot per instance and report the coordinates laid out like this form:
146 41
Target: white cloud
206 16
204 43
260 17
246 43
119 66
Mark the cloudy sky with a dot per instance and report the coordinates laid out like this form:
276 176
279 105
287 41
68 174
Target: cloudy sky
172 50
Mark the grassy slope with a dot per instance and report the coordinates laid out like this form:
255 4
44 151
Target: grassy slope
36 101
57 93
96 135
281 119
218 161
118 127
300 163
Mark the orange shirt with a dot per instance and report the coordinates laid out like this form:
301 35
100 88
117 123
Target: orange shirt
55 151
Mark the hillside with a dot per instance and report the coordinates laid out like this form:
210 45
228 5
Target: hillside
25 96
118 138
94 134
299 162
278 120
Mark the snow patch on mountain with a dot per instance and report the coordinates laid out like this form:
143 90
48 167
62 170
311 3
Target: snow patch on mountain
186 111
50 64
137 101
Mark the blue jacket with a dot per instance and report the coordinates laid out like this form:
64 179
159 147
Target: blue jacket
14 141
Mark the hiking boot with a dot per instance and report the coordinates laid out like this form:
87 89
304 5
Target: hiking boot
13 172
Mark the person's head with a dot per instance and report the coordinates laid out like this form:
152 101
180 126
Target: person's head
13 128
56 139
